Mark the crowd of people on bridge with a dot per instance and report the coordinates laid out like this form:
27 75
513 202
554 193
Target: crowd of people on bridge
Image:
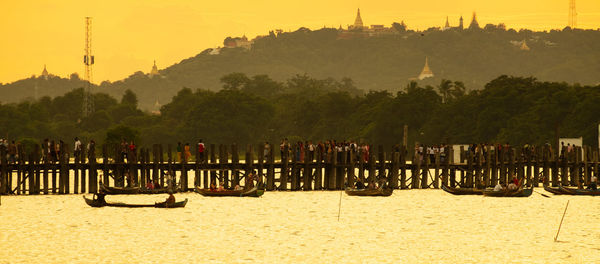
297 151
422 152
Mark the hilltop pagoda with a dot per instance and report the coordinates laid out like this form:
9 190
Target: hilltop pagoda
358 23
447 26
45 73
474 24
426 72
154 71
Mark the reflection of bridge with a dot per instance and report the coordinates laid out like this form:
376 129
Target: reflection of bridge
321 171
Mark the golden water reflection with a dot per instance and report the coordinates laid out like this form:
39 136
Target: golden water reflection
416 226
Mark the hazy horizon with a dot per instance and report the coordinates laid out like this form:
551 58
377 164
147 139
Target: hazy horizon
127 37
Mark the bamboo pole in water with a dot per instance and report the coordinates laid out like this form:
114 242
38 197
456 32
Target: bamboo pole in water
561 221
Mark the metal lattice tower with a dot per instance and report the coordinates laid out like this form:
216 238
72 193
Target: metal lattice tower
88 60
572 14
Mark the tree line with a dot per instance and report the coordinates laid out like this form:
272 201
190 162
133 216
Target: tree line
253 109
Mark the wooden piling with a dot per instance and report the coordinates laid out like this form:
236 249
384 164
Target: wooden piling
469 173
565 170
403 167
307 171
361 165
76 160
260 157
498 167
197 172
425 169
534 162
586 168
148 165
235 161
283 174
119 168
546 165
30 172
105 171
371 164
55 185
480 178
161 158
171 181
339 169
487 177
577 168
319 171
20 172
332 169
415 182
249 161
271 169
142 167
596 169
394 171
213 160
446 171
520 168
222 161
555 167
511 165
64 172
436 179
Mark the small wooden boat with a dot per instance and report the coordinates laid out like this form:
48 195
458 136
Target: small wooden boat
369 192
156 191
462 191
573 191
521 192
96 203
119 190
254 192
553 190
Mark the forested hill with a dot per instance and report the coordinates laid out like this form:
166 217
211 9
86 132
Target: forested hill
383 62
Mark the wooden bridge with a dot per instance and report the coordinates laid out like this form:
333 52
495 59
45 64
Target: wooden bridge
31 173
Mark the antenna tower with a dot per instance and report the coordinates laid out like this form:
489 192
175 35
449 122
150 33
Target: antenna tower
88 60
572 14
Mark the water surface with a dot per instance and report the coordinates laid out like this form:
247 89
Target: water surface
411 226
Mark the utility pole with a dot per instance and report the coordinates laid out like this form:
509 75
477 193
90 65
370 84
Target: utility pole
88 60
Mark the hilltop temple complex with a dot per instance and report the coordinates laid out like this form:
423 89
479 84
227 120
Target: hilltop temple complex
359 29
356 30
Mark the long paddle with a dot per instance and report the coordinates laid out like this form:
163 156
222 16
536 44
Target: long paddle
541 194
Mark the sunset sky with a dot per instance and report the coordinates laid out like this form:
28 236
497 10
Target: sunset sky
129 35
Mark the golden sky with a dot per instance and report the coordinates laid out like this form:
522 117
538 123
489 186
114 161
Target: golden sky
129 35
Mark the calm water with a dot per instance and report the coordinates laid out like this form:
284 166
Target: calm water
416 226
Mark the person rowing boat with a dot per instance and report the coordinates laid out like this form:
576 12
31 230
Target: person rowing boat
171 199
99 196
359 184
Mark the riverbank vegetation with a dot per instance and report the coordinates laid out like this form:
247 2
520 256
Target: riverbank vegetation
252 109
